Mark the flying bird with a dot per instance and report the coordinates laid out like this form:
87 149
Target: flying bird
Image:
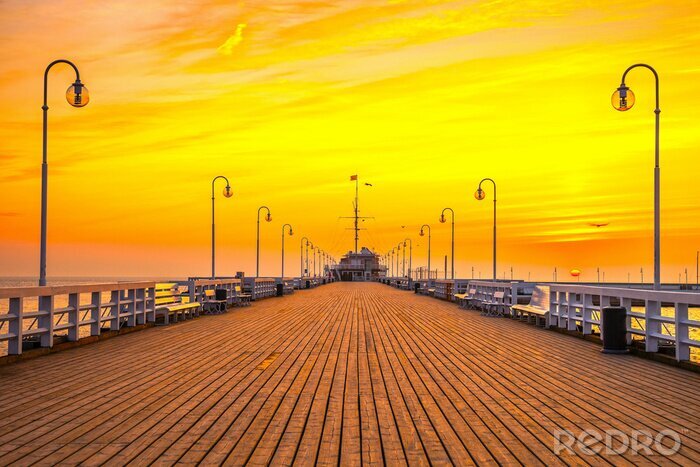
368 184
598 225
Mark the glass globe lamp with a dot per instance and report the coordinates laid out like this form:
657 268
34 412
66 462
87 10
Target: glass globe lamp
77 94
623 99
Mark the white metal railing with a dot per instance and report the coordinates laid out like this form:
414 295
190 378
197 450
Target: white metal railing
260 287
665 316
514 291
300 282
196 288
444 289
74 310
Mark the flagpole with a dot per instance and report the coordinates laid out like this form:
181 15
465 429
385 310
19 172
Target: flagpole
357 195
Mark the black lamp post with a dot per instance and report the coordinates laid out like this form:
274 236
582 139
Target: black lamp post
268 218
227 193
623 100
77 96
422 234
443 220
480 195
290 234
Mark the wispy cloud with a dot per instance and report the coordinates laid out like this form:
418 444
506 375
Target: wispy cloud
227 47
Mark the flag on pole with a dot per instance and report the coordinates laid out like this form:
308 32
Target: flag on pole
353 177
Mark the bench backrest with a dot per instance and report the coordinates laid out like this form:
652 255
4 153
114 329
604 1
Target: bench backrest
209 293
540 297
167 294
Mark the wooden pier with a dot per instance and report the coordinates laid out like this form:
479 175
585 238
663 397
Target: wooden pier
347 373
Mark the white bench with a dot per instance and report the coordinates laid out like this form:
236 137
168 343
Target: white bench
168 303
538 308
466 299
496 305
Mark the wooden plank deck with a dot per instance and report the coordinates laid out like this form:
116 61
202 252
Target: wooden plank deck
342 374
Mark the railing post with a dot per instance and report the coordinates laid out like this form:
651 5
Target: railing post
561 304
96 313
151 305
553 312
604 301
192 291
46 304
14 346
652 310
627 304
74 316
131 307
571 311
586 304
114 311
682 334
140 306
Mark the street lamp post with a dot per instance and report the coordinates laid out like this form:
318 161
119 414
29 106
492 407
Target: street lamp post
301 256
442 220
227 193
308 268
623 100
480 195
77 96
410 255
391 261
290 234
268 218
422 234
398 269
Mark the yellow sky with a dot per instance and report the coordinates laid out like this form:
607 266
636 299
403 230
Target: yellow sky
289 98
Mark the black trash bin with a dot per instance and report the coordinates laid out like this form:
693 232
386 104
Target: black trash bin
221 294
614 329
280 290
416 287
308 284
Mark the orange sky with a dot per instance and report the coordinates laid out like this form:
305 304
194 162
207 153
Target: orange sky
289 98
